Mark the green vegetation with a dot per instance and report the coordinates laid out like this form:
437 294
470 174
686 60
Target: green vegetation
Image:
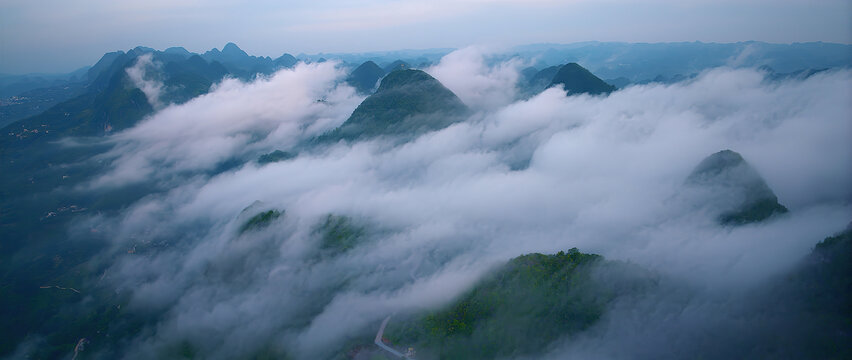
261 220
408 102
275 156
339 234
531 301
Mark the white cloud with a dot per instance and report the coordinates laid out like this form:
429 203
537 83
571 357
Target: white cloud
139 75
285 108
604 175
480 86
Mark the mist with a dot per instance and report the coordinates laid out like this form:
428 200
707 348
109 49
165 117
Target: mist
604 174
234 120
150 87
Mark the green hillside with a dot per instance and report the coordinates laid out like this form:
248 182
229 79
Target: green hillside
521 307
407 103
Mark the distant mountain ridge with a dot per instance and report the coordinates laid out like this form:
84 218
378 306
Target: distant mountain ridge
640 62
622 64
184 74
365 77
575 79
110 94
397 65
243 65
540 80
571 77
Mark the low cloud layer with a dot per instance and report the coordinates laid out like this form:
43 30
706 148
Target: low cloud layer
480 85
139 75
604 174
234 120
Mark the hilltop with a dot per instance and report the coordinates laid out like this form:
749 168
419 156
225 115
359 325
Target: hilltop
407 102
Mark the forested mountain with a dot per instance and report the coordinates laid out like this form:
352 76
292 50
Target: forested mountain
407 103
365 77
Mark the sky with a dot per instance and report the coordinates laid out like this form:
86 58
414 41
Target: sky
53 36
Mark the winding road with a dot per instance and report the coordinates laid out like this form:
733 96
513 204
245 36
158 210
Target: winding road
382 344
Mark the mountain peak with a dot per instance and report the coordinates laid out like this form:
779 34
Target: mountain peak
179 50
103 64
397 65
365 77
716 164
733 180
232 49
285 60
142 50
401 78
407 103
575 79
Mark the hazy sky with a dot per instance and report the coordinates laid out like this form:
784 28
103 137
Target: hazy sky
61 35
